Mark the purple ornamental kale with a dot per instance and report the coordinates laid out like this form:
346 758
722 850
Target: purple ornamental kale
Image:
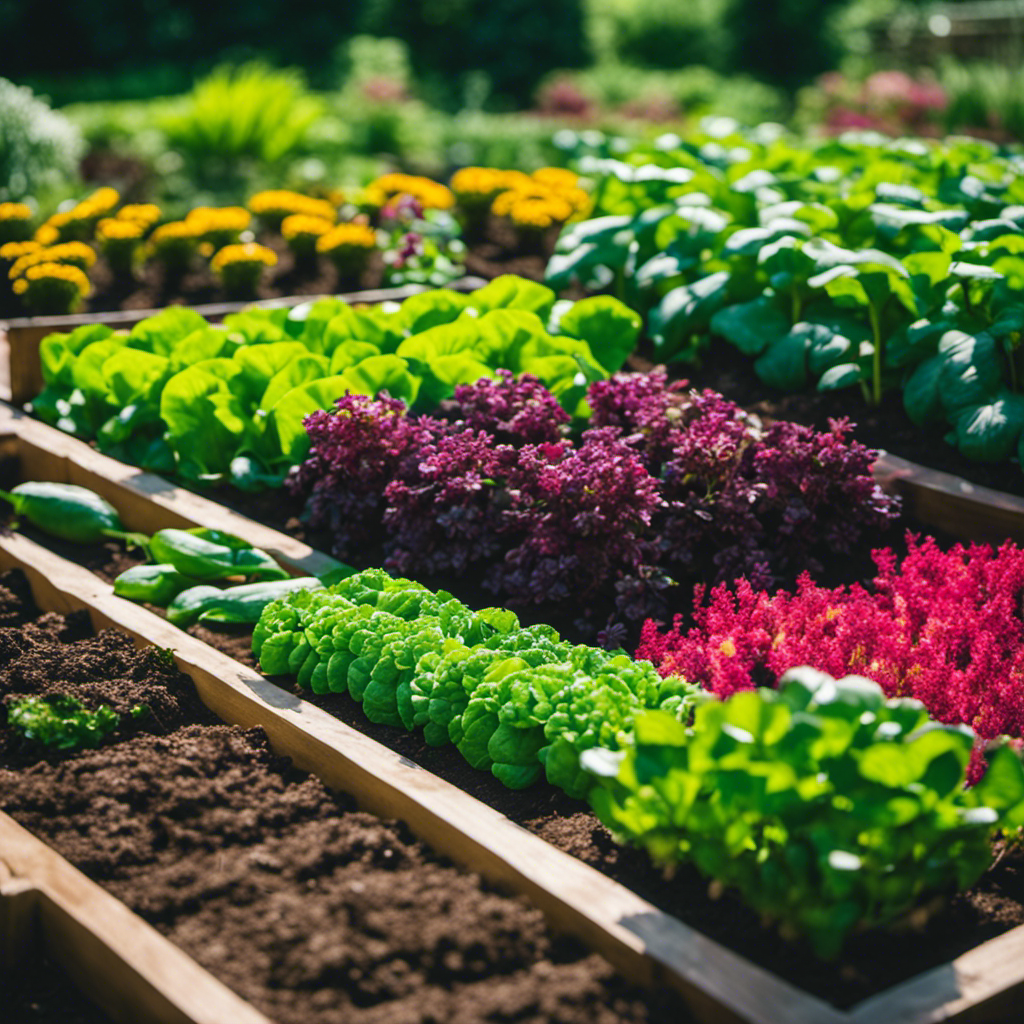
440 515
515 411
582 513
356 449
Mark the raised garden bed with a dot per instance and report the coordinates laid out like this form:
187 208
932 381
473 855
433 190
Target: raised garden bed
370 923
23 334
571 827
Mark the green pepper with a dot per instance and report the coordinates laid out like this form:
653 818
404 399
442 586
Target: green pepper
157 584
69 512
242 604
213 555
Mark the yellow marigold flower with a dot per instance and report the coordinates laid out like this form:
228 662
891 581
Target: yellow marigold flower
302 233
349 247
273 205
474 186
52 230
557 178
174 229
220 225
347 236
240 267
103 200
120 241
535 210
431 194
303 224
174 244
76 254
53 288
250 252
13 251
111 229
144 214
15 211
15 222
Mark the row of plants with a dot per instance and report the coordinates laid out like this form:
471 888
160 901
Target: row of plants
245 386
663 485
829 808
830 805
406 229
857 263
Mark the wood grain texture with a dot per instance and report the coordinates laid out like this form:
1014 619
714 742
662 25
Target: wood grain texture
118 960
25 333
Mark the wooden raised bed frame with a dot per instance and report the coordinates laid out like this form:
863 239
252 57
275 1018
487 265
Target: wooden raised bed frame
25 333
984 984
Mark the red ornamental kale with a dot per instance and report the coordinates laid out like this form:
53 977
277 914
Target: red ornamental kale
945 628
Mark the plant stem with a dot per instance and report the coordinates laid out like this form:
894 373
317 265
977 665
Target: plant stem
964 285
796 305
876 357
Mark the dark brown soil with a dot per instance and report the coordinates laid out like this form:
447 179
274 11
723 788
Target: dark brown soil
887 427
308 908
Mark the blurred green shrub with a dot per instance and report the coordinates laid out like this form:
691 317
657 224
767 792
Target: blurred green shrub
693 91
251 111
984 95
660 33
39 148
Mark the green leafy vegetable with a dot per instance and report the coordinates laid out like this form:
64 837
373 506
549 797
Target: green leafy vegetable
828 807
61 722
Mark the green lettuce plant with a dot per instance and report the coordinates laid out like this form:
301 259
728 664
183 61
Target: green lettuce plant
827 807
246 386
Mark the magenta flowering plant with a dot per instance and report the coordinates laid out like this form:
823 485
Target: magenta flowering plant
944 627
668 485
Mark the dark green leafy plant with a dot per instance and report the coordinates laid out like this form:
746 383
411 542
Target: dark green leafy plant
61 721
829 808
855 263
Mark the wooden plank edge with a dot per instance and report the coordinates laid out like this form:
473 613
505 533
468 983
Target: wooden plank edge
117 959
970 511
146 502
641 941
983 981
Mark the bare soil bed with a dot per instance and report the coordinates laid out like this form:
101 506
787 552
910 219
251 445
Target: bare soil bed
311 910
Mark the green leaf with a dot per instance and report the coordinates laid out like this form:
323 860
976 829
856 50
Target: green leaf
972 370
921 398
607 325
784 364
299 370
991 432
511 292
843 375
135 376
57 352
162 332
430 309
751 326
685 310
